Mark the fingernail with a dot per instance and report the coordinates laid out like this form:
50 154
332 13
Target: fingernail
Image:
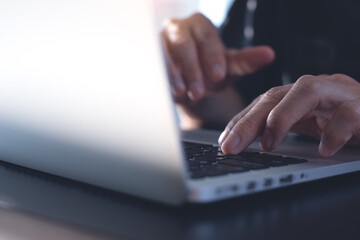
179 85
218 72
195 91
324 150
231 143
222 137
267 141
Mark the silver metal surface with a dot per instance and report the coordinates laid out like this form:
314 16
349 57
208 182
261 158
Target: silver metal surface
84 95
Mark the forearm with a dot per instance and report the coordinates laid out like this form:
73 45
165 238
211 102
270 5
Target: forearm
212 112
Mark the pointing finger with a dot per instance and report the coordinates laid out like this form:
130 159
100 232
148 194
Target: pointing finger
248 60
211 49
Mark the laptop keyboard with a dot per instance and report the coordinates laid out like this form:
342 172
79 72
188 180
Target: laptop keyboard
206 161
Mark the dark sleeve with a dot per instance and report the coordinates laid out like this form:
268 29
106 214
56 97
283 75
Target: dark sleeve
321 39
265 33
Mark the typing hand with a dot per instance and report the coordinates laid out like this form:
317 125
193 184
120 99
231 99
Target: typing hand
324 106
198 61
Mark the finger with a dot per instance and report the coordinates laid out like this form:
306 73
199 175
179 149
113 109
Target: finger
235 119
307 94
355 140
176 81
343 125
250 126
184 52
211 49
248 60
311 124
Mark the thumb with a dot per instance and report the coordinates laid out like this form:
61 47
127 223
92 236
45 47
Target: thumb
248 60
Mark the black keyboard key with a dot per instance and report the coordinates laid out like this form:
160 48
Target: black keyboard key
295 160
268 160
220 154
277 160
219 158
201 162
215 170
244 164
206 157
191 145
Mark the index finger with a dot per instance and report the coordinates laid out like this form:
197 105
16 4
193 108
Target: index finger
184 52
249 127
211 48
178 86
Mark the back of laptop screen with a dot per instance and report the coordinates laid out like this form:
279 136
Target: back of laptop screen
83 94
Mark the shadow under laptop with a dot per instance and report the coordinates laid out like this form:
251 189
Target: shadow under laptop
321 208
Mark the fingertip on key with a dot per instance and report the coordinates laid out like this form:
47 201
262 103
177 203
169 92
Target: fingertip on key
267 141
222 137
324 150
231 144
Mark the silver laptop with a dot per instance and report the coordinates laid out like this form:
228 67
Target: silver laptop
84 95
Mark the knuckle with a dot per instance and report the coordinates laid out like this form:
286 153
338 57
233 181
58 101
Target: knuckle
344 78
170 24
233 122
256 100
175 30
244 126
260 97
169 21
308 84
274 121
339 75
305 78
207 35
273 94
198 17
181 44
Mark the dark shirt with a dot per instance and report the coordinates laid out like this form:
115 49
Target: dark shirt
308 36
